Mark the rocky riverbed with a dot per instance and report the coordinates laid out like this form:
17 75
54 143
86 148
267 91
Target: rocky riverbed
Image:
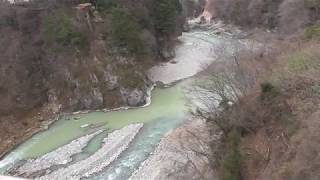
184 153
115 143
59 156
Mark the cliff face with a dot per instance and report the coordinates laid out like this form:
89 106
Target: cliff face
32 73
193 8
69 54
63 56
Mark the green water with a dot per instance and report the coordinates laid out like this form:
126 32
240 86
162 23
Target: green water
165 102
168 102
168 105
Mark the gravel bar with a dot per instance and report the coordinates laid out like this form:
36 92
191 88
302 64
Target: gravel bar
113 146
60 156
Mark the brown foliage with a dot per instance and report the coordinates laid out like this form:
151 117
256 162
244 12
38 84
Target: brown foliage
289 16
279 127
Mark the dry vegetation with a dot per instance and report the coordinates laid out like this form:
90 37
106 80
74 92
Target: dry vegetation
65 54
286 16
276 115
282 147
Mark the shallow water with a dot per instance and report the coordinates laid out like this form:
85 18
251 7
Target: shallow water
167 104
168 109
140 149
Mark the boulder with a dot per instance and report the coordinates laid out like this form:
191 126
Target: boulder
93 101
136 98
111 81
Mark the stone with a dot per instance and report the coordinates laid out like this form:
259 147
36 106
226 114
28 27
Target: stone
97 97
186 27
84 6
62 155
114 144
136 98
167 53
111 81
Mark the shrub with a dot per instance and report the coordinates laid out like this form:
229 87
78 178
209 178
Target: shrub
268 91
59 29
314 8
165 15
126 31
312 4
312 32
7 21
266 87
304 61
231 164
297 63
128 77
316 89
106 5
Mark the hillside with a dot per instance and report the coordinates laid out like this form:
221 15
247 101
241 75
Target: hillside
64 56
269 120
236 89
284 16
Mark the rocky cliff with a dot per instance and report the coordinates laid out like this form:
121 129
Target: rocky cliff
68 54
64 56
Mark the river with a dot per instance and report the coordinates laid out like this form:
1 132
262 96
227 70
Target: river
69 148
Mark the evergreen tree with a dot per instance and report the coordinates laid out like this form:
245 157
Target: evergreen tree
126 31
165 15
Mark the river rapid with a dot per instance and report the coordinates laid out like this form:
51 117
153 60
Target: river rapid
113 145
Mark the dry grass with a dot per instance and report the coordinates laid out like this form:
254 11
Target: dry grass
297 79
287 16
279 124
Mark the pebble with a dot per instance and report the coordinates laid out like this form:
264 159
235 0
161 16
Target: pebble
113 146
59 156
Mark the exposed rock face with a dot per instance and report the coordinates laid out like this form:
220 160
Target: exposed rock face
167 50
31 70
94 100
136 98
193 8
81 69
111 81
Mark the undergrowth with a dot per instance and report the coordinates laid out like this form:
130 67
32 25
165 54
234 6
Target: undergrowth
231 164
312 32
60 29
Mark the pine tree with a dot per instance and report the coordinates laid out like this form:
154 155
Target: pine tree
165 15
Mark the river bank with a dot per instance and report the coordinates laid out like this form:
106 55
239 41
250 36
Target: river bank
183 153
39 120
51 113
74 126
164 107
114 144
60 156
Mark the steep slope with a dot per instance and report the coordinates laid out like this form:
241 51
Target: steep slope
63 56
287 16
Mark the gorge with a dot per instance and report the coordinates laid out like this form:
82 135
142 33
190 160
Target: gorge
160 89
168 109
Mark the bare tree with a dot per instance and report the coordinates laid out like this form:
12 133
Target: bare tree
194 158
224 83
